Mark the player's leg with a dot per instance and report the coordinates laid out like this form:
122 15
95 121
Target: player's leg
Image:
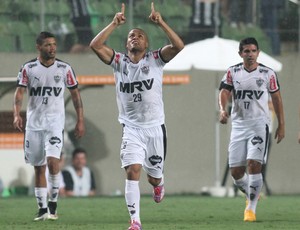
255 183
155 158
54 140
132 191
35 155
132 157
240 179
237 154
257 147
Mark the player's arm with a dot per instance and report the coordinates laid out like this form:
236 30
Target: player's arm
104 52
17 106
168 52
224 96
278 108
77 102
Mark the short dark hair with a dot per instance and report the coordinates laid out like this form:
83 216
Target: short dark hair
42 36
77 151
248 41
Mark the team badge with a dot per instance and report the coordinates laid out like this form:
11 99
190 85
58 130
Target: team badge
259 82
145 69
57 78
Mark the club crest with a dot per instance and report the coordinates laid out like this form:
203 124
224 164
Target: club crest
259 82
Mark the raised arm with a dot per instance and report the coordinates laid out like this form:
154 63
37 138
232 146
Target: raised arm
278 108
104 52
168 52
17 106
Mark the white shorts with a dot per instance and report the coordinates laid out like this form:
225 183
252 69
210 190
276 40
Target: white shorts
248 143
146 147
38 145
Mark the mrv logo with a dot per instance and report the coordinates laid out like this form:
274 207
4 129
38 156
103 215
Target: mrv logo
138 85
250 94
45 91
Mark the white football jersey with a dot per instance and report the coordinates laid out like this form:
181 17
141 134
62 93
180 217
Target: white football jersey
45 89
139 89
250 92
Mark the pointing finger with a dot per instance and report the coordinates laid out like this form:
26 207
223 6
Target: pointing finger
152 7
123 9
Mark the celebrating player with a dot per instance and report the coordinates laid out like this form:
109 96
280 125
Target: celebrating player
46 78
138 76
251 83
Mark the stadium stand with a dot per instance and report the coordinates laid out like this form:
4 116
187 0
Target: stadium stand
31 16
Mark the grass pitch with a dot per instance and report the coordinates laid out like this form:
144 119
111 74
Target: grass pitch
175 212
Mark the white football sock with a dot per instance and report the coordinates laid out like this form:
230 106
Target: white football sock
41 197
162 181
53 181
255 186
242 184
132 197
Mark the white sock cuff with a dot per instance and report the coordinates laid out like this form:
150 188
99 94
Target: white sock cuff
244 178
255 177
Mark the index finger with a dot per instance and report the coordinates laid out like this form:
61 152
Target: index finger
152 7
123 9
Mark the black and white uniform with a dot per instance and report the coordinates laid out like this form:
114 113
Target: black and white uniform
45 108
141 110
250 112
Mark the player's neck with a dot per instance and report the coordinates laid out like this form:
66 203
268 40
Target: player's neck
46 62
250 66
135 57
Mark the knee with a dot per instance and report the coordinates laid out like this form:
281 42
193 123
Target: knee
133 172
254 167
238 172
154 181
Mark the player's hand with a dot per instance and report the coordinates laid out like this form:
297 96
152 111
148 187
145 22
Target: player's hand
279 135
79 129
299 137
120 18
18 123
223 117
155 16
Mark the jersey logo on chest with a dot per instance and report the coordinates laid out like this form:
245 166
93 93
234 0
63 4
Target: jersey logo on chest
45 91
137 85
250 94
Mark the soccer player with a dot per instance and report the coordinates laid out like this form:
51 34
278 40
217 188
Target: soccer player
138 77
45 79
251 83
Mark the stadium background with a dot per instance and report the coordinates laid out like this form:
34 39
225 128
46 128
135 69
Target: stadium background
190 108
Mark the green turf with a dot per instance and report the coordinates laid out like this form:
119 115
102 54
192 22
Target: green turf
175 212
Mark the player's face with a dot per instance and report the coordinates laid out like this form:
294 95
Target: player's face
48 48
137 41
249 54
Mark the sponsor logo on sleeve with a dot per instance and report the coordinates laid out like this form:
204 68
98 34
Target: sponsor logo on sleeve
155 54
229 78
273 85
70 78
24 77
